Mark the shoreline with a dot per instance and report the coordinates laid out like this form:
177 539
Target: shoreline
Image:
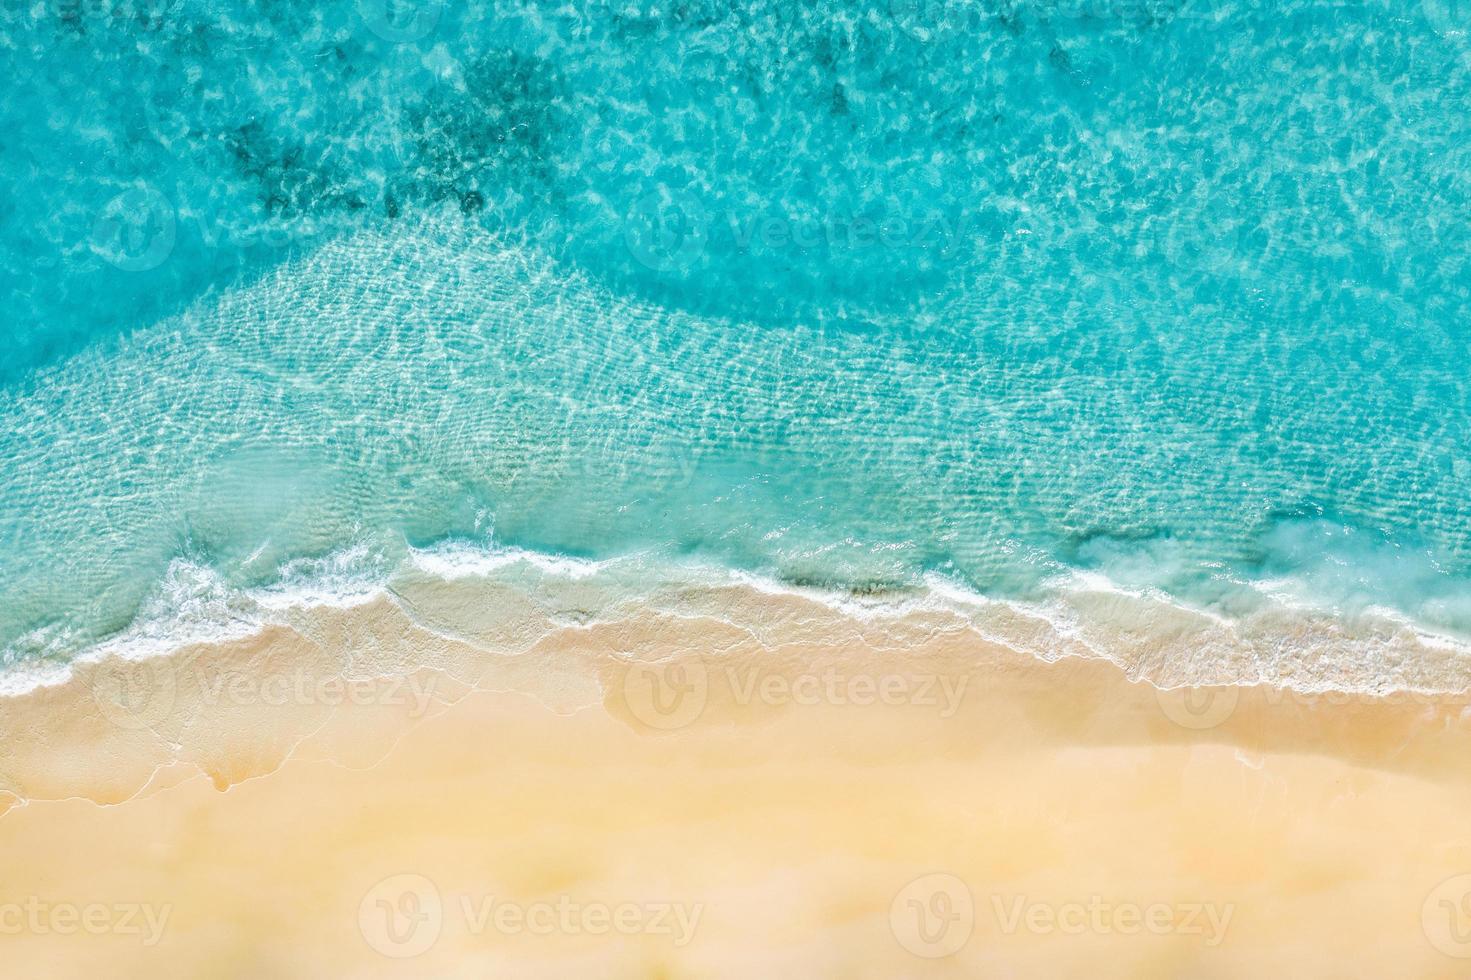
377 786
505 620
1155 639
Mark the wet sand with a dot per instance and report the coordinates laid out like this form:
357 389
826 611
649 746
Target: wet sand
659 797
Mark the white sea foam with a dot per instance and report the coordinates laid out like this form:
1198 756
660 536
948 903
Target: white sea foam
1309 623
458 560
1088 615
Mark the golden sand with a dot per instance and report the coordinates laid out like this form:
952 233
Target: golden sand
667 799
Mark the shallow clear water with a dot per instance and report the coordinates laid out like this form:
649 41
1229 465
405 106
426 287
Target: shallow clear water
1170 295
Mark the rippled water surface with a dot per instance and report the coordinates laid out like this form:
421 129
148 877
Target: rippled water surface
1172 296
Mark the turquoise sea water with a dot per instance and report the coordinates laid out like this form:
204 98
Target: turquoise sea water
1169 301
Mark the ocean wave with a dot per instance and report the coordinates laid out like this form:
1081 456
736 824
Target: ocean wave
429 381
504 600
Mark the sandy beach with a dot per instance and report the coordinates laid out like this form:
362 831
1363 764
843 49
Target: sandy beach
743 490
662 798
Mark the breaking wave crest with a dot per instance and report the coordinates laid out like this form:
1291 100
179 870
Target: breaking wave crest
503 601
